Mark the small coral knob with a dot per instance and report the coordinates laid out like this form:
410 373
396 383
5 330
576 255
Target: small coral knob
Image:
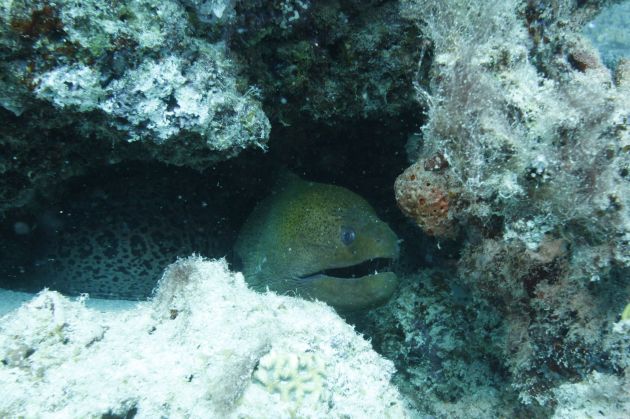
425 193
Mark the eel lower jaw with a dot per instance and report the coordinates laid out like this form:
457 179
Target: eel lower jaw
356 287
353 272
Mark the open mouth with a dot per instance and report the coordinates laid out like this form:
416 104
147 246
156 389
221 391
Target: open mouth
368 267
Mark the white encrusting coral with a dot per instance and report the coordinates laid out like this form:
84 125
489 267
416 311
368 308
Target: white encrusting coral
600 395
204 346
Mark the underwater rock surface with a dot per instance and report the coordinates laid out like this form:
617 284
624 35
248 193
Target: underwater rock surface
82 80
533 132
205 346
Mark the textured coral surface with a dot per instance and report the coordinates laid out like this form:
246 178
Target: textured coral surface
428 197
87 79
205 346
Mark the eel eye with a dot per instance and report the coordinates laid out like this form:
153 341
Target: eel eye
347 235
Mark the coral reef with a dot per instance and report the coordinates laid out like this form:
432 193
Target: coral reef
515 221
86 85
205 346
87 79
141 69
84 79
599 394
328 61
444 348
460 353
533 129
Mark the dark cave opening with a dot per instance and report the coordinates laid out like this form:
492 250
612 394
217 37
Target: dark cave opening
364 156
337 88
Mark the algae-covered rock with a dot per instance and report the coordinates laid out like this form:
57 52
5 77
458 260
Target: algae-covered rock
88 79
442 344
328 61
516 121
534 132
139 66
205 346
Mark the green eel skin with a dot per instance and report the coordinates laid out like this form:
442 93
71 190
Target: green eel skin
296 240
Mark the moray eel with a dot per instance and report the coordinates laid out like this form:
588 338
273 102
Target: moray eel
320 242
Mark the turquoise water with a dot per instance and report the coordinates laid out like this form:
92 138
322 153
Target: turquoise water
609 33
